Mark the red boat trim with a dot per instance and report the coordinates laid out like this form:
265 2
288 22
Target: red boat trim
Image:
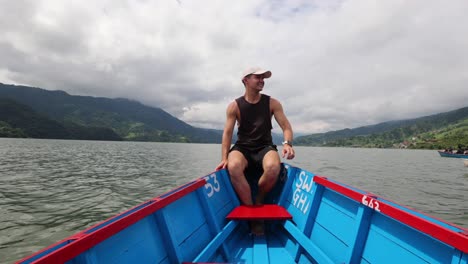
92 236
458 240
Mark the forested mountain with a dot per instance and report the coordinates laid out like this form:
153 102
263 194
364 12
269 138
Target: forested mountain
130 120
18 120
38 113
436 131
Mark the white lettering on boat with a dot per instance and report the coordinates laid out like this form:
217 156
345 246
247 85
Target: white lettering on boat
302 183
371 203
212 184
300 200
301 196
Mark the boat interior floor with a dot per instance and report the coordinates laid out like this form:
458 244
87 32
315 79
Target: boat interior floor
267 248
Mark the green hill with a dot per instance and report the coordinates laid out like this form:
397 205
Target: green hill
435 131
6 130
454 136
18 120
130 120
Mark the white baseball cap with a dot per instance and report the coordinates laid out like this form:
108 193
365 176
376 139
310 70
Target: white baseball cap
256 71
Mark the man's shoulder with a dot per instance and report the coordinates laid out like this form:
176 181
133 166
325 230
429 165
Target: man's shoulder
232 106
269 97
274 100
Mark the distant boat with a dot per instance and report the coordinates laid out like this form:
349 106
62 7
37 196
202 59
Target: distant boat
308 219
452 155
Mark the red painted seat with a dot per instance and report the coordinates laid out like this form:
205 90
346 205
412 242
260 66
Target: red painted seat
259 212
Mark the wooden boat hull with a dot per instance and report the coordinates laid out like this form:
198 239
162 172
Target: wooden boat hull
331 223
451 155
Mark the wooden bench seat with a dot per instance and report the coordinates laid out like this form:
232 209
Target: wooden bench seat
259 212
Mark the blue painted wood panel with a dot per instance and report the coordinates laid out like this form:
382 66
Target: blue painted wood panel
220 196
404 243
143 241
338 218
299 199
187 225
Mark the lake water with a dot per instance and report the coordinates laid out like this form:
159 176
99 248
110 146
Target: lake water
50 189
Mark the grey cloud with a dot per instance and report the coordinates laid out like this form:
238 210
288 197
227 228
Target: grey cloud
335 65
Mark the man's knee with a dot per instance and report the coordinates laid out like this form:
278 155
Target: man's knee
236 166
272 168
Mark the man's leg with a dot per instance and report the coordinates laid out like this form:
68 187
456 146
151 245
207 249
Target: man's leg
271 168
236 166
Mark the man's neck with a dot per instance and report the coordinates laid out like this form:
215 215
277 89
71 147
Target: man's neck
252 96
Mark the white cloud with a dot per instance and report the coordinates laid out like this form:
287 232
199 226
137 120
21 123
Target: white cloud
335 64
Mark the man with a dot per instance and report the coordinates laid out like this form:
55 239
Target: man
254 146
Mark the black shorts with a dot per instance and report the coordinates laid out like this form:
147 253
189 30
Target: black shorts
254 156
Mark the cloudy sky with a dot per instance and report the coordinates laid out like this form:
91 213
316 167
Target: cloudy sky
335 64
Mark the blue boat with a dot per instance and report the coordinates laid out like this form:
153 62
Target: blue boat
452 155
308 219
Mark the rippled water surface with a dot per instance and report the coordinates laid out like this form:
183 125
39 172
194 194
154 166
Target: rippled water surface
50 189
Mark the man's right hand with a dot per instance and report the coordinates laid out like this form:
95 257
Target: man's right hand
222 165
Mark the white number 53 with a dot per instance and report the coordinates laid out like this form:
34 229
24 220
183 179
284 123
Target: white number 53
211 187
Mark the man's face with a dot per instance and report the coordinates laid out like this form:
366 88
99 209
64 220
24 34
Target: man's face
255 81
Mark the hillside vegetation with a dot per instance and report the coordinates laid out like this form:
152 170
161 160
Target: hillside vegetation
38 113
438 131
56 114
18 120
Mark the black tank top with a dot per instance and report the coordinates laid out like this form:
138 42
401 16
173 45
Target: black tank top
255 123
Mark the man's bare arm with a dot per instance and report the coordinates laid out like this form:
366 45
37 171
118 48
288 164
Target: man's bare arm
280 117
227 134
283 122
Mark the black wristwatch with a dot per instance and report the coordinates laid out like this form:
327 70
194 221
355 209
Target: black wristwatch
287 142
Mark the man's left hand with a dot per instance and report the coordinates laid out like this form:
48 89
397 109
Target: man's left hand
288 152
